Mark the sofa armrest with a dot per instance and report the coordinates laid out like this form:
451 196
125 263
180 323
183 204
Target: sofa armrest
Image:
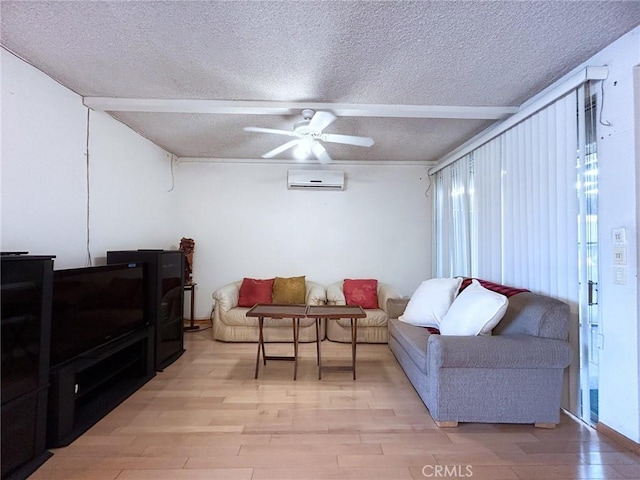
335 295
498 351
385 292
316 294
227 296
396 306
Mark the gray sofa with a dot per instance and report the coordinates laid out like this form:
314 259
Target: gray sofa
513 376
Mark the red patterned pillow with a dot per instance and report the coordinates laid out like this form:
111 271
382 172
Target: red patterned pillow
361 292
254 291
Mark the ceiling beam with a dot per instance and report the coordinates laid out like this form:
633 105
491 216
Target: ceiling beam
156 105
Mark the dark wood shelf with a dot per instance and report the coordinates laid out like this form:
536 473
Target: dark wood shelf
85 389
26 335
165 283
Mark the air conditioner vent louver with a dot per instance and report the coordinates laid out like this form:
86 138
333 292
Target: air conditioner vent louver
315 179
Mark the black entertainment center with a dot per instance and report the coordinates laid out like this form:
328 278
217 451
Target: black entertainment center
26 324
77 342
165 284
101 345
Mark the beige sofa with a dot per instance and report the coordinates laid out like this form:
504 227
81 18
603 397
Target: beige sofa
372 329
230 323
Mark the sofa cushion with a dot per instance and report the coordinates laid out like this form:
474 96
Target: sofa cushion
537 315
254 291
363 292
474 312
375 318
237 317
431 301
413 339
289 290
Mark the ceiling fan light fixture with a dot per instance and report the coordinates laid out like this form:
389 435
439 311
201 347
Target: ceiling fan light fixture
302 128
303 150
307 113
309 133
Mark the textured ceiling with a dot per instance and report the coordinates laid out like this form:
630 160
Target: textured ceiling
443 53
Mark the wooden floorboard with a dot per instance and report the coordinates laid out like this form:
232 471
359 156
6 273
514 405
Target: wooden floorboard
206 418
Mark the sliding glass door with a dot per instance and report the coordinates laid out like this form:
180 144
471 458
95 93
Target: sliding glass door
588 260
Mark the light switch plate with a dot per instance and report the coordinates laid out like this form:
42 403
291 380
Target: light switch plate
619 255
619 275
619 236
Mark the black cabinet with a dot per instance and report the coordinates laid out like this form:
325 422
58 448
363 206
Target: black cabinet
165 272
87 387
26 333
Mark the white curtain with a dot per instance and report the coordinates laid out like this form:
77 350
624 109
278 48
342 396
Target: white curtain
540 214
508 211
486 217
453 220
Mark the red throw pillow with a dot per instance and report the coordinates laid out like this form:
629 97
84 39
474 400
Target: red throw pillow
496 287
254 291
361 292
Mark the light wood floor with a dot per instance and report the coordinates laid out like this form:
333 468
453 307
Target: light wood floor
205 417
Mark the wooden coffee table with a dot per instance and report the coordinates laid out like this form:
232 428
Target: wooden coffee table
270 310
335 312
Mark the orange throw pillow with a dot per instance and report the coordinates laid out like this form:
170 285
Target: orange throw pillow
254 291
362 292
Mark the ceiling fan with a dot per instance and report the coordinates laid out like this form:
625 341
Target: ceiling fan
308 133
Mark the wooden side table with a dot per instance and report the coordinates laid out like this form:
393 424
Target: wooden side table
191 287
270 310
335 312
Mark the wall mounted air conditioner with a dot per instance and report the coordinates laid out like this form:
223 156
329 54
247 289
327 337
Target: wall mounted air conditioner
315 179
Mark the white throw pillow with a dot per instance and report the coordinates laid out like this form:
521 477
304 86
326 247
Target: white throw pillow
474 312
430 302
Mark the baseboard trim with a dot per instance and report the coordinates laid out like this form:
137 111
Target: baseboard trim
617 437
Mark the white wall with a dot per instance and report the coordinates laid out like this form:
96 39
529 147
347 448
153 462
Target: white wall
44 186
246 223
43 165
636 102
133 204
619 375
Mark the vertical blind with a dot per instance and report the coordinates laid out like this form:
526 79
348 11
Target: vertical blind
508 211
452 219
487 212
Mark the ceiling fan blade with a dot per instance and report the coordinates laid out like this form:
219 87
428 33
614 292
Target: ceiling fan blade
348 139
281 148
321 120
269 130
321 153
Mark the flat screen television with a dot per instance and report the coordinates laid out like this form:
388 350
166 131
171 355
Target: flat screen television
95 305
